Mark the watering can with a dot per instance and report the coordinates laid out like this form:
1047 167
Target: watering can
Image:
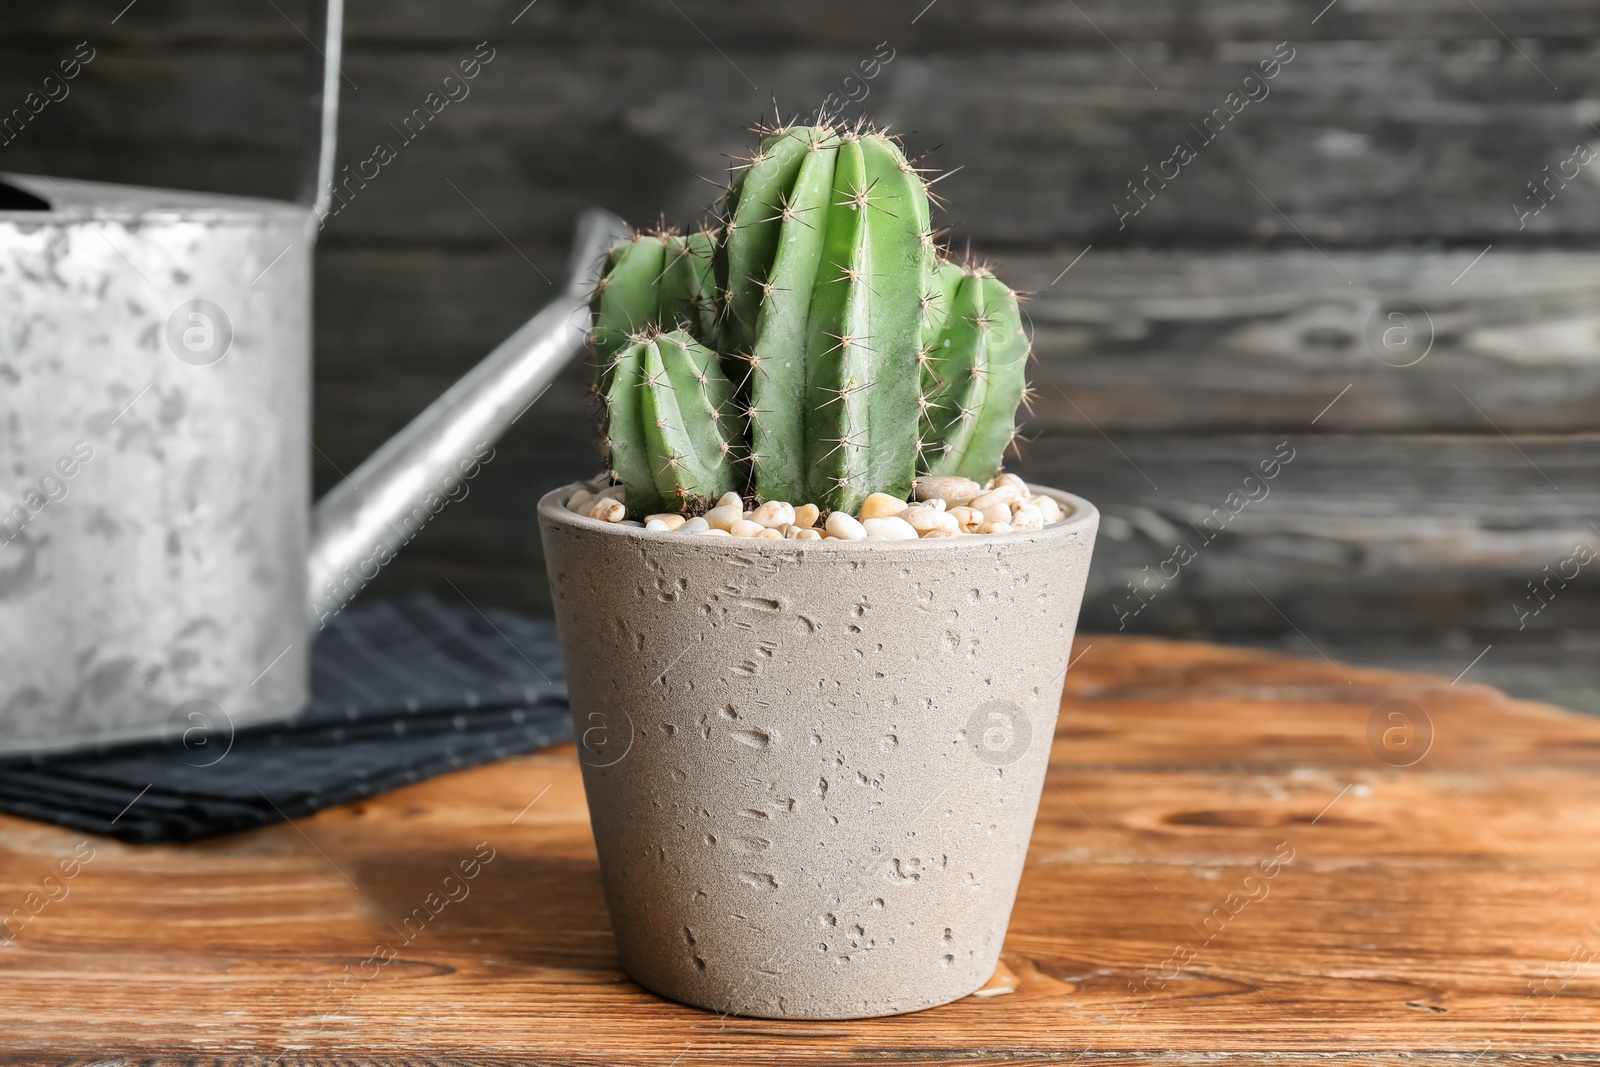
158 546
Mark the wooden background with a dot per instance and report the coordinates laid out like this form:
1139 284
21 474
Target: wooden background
1176 353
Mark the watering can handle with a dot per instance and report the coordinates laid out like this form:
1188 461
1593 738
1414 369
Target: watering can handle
322 125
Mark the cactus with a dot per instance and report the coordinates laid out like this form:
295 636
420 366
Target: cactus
827 241
671 429
658 281
973 376
863 358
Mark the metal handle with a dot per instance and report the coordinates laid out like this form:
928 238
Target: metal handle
370 515
322 116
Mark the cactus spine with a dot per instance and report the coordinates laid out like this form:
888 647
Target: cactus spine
671 428
862 357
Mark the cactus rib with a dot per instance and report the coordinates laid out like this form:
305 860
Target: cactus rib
758 204
778 358
863 330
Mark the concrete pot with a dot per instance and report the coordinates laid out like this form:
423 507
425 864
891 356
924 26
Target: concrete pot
813 766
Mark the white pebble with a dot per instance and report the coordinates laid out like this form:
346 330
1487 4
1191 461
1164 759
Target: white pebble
723 516
967 519
880 506
805 516
804 534
774 514
1027 518
731 499
713 531
890 528
658 526
924 520
1049 508
671 518
744 528
1003 493
994 509
994 526
949 488
770 535
931 534
580 502
695 525
845 527
608 510
1001 480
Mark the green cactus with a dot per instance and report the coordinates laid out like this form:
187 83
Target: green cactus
671 429
863 357
757 202
657 281
973 377
826 245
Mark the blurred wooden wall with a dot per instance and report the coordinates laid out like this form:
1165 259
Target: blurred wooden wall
1385 161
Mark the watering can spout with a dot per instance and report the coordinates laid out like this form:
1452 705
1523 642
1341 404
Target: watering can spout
369 515
364 520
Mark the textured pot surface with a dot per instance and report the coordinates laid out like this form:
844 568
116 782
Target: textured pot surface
813 767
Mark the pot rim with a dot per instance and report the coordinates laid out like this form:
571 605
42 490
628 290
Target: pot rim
1080 513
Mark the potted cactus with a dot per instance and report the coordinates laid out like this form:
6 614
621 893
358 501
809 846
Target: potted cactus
815 639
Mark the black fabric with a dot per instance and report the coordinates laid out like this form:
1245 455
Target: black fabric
402 690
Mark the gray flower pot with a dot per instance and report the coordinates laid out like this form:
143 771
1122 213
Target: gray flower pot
813 766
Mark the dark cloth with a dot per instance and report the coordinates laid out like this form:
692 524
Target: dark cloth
402 690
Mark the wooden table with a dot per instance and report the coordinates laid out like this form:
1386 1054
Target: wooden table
1443 912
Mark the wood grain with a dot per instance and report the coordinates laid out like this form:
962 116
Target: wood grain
1443 912
1398 123
1237 340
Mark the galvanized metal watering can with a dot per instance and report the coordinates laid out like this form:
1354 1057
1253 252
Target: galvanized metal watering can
158 546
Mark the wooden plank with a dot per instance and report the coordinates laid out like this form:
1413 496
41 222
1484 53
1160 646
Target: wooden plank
1358 144
1234 340
1429 914
1355 533
1129 342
